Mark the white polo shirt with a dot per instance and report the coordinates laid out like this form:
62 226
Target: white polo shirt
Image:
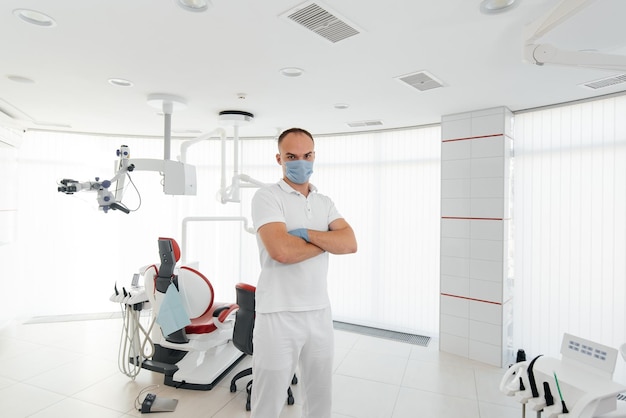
300 286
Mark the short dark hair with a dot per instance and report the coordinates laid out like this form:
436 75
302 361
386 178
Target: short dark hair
294 130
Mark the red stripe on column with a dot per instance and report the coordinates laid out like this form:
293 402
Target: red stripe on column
471 137
475 219
475 300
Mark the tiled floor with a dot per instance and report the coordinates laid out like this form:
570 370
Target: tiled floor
70 369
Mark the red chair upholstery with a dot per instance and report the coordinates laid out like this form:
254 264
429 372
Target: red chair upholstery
195 289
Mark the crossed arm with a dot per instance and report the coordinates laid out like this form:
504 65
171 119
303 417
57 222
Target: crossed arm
287 249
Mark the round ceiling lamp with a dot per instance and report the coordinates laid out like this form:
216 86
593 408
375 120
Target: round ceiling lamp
194 5
497 6
34 18
291 71
120 82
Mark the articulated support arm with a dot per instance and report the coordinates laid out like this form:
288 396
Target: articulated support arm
540 54
178 179
548 54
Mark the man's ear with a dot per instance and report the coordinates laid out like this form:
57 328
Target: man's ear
278 159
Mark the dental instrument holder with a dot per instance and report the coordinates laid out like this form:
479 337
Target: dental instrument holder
584 375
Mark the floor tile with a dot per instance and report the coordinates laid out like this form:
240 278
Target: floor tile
376 367
418 403
70 369
441 378
363 398
70 407
21 400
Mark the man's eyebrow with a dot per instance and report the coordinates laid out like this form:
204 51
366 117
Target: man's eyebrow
295 155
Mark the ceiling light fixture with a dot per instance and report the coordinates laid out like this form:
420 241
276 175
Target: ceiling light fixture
291 71
194 5
120 82
35 18
235 117
341 106
491 7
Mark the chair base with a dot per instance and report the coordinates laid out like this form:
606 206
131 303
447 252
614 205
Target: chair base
194 370
248 372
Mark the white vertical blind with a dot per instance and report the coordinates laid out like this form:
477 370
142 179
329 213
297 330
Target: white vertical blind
569 211
570 228
386 184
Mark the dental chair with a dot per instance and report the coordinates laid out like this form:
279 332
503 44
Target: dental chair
242 338
199 355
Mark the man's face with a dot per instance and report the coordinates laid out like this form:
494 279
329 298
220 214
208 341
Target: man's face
295 146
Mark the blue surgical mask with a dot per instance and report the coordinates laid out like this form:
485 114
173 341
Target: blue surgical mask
299 171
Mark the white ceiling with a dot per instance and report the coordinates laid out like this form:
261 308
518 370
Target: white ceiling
239 46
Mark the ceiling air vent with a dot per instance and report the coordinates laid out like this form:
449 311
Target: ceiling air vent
421 80
605 82
319 19
364 123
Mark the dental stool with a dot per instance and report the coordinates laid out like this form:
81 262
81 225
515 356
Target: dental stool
199 355
242 338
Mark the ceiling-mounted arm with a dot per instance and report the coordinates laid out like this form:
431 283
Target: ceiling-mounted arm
548 54
541 54
231 193
166 103
559 14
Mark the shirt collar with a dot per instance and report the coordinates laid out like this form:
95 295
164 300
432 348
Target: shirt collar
287 188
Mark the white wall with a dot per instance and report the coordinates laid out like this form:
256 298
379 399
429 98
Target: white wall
385 184
10 306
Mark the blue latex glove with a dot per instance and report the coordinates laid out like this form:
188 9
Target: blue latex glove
300 233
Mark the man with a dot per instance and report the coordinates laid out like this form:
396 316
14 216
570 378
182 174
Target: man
296 230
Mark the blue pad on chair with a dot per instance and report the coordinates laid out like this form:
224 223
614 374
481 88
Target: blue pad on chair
172 314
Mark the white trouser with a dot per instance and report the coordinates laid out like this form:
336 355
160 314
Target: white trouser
281 339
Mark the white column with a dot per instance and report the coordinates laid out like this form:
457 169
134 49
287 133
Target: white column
476 236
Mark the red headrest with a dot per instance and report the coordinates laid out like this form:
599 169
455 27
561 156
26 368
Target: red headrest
245 286
175 247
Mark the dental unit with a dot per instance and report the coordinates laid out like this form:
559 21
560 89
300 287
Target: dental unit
171 322
579 385
194 356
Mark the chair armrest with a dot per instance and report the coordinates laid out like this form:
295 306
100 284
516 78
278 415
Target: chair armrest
224 316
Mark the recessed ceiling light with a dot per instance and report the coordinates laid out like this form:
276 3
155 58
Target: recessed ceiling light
34 17
120 82
194 5
341 106
291 71
497 6
20 79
